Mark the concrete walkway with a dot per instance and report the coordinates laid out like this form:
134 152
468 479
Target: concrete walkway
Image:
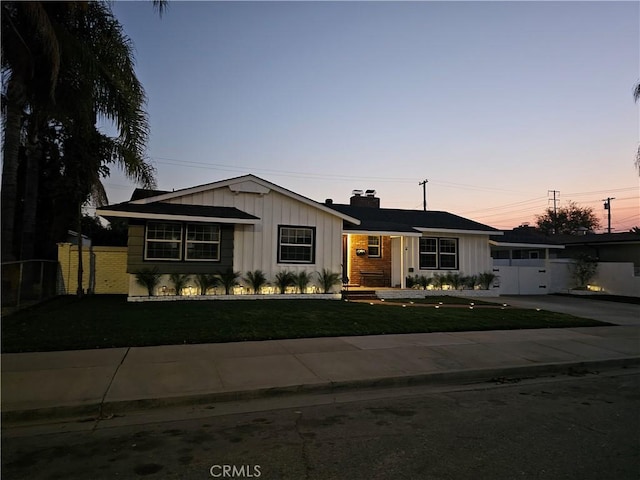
102 382
605 311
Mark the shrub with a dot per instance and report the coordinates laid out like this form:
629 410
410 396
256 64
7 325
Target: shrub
205 281
328 279
148 278
486 279
456 280
470 282
583 268
412 281
228 279
256 280
302 281
424 281
438 280
179 281
284 279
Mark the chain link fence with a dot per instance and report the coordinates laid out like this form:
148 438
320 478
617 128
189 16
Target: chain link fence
28 282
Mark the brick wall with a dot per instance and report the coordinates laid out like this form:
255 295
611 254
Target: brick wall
104 269
378 268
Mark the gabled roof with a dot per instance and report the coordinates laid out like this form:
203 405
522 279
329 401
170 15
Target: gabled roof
261 186
154 204
140 193
409 222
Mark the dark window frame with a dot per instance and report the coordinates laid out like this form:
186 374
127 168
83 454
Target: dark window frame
439 253
312 246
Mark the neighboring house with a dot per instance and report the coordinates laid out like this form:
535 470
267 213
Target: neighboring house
389 244
523 246
606 247
247 223
529 262
522 261
244 223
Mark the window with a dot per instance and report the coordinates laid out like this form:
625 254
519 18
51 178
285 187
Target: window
429 253
438 253
296 244
374 246
203 242
163 241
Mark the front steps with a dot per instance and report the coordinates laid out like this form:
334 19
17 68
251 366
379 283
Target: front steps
359 294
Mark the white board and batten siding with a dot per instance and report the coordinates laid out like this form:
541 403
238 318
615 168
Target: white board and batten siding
256 246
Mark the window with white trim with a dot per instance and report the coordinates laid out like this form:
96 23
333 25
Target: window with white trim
163 241
202 242
374 246
296 244
438 253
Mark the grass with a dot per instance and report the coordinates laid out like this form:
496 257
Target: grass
68 323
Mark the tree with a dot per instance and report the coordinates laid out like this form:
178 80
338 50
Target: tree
569 219
65 63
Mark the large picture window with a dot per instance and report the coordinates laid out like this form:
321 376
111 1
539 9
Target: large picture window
438 253
163 241
203 242
296 244
177 241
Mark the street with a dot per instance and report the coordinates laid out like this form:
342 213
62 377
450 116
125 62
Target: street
584 427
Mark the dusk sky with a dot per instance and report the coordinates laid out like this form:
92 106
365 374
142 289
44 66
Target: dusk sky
495 103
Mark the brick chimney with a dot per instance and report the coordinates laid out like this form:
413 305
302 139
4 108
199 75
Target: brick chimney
367 199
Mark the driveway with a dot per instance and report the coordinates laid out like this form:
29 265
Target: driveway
612 312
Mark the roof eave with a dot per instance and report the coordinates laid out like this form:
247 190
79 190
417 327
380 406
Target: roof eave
458 230
524 245
177 218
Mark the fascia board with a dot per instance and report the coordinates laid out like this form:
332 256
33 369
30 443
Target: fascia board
177 218
383 233
524 245
454 230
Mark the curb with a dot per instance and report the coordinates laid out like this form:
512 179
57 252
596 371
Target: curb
98 411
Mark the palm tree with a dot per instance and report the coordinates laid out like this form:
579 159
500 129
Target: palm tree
328 279
256 280
228 279
302 281
31 61
284 279
205 281
68 61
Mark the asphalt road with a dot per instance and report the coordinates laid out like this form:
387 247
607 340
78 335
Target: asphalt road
584 427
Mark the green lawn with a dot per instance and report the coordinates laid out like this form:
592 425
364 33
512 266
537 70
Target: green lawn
102 321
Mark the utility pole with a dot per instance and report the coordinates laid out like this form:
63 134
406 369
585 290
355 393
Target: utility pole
607 207
424 193
555 211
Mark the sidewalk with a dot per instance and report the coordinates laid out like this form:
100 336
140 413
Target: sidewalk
102 382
